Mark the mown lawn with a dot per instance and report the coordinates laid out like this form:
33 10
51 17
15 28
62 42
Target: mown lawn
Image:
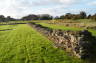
25 45
5 27
54 26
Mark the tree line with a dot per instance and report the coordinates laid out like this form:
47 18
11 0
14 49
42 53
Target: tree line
5 19
37 17
81 15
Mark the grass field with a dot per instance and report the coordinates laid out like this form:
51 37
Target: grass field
25 45
54 26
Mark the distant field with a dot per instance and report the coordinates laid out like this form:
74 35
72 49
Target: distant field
59 24
25 45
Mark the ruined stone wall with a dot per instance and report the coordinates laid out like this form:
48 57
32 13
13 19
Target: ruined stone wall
79 43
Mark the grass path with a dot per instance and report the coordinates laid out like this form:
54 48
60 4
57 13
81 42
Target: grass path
25 45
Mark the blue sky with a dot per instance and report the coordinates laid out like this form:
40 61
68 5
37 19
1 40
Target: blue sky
19 8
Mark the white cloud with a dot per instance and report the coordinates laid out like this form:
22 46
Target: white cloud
19 8
62 2
92 3
14 8
68 1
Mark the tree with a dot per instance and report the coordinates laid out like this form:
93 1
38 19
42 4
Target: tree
89 16
93 17
82 15
57 17
2 18
68 16
9 18
30 17
62 17
45 17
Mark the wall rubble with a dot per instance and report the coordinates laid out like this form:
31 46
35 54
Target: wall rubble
79 43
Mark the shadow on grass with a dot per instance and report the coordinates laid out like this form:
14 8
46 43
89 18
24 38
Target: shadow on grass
7 29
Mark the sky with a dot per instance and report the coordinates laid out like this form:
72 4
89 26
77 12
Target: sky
20 8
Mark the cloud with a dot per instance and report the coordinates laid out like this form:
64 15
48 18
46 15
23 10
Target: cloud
57 2
19 8
92 3
68 1
14 8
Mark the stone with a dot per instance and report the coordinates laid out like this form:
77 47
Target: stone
79 43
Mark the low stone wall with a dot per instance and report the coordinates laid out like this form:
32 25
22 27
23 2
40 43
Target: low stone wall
79 43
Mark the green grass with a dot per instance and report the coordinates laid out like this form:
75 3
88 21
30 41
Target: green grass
3 27
87 22
25 45
93 32
12 22
53 26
